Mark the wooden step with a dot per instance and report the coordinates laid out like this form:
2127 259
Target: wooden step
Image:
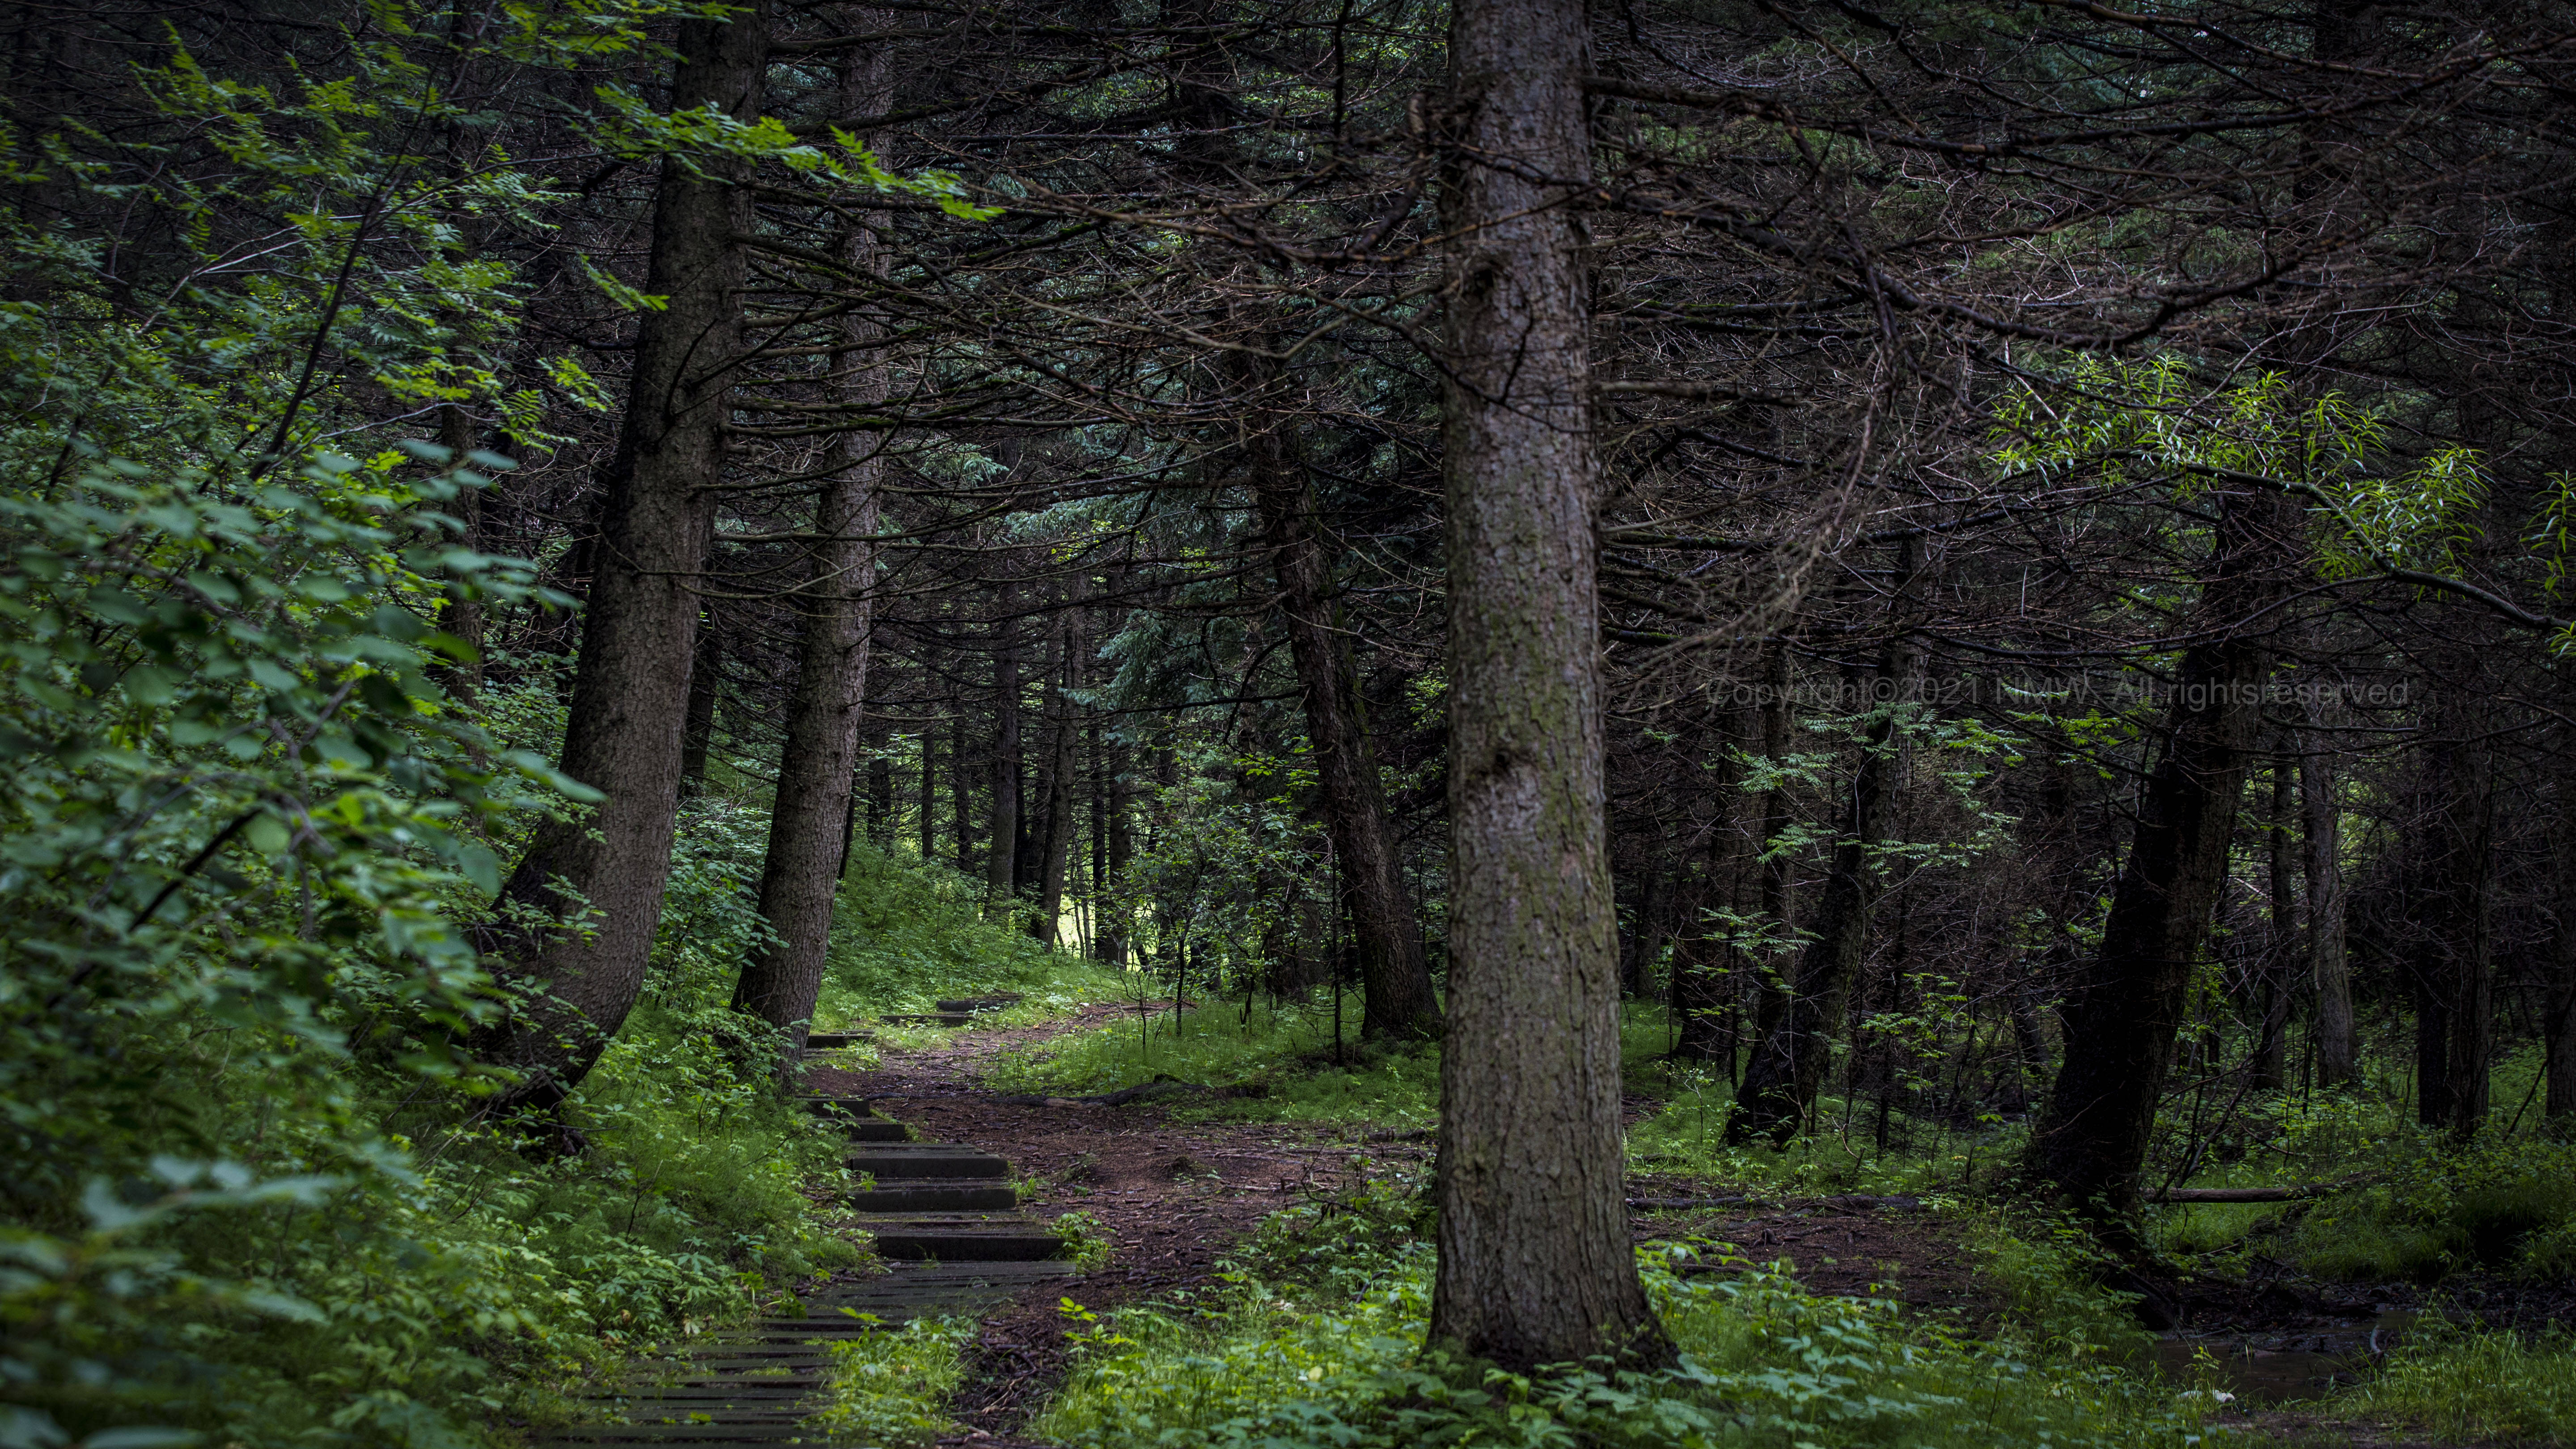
826 1041
882 1160
967 1237
936 1195
973 1004
927 1018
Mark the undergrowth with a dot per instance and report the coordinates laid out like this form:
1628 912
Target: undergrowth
1317 1337
907 933
2473 1384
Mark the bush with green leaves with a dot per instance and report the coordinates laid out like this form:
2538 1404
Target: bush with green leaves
2501 1204
245 817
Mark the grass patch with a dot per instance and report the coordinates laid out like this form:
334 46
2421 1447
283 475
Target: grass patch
2467 1385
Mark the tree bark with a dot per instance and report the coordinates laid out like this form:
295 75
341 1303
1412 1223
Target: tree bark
1395 974
2121 1018
630 690
1535 1265
810 818
2329 969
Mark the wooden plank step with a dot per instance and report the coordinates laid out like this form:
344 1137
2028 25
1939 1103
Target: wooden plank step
879 1129
968 1237
970 1004
856 1108
908 1194
825 1041
926 1018
925 1159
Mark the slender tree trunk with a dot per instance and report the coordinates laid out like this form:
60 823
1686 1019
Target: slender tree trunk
698 731
1789 1064
1701 986
817 778
2559 1028
1535 1265
2329 971
1778 906
961 793
1002 848
1056 849
881 800
2460 965
1395 975
1110 942
2281 945
2091 1140
929 792
462 616
630 694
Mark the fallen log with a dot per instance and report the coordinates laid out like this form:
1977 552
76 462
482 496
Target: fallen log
2249 1194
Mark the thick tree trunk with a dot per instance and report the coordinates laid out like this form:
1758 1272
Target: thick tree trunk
1395 975
810 819
1535 1265
2122 1017
630 694
2329 969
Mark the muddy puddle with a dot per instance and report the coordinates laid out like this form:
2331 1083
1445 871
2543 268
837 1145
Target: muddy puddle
2271 1368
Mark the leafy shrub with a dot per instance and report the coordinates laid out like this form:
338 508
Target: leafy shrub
890 1390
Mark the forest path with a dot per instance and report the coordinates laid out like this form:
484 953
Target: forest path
1170 1199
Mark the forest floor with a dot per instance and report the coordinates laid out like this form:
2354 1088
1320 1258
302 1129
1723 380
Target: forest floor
1173 1199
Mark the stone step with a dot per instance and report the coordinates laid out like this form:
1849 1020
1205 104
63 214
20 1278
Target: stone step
884 1160
967 1237
936 1195
926 1018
